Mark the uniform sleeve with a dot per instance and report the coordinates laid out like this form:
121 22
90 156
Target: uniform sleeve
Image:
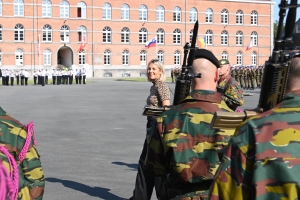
234 94
163 91
233 178
33 173
155 163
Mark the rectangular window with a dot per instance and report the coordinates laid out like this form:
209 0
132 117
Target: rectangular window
125 59
176 60
142 38
47 59
106 59
125 37
81 58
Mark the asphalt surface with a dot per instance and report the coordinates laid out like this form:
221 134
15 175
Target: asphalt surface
89 136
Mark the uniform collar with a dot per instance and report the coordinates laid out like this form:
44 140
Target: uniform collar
204 95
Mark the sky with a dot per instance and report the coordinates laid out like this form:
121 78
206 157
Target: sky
276 10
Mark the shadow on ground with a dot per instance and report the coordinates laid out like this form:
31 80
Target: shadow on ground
102 193
133 167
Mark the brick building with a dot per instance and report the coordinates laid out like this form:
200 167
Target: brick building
42 33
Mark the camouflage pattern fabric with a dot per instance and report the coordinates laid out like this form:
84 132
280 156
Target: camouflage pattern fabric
241 77
232 92
31 176
184 146
262 159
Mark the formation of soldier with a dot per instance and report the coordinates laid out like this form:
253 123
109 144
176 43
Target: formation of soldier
41 77
249 77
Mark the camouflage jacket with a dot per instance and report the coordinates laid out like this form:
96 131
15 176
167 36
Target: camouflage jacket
184 145
232 92
262 159
31 176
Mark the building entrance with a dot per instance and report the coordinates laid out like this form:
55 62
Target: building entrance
65 57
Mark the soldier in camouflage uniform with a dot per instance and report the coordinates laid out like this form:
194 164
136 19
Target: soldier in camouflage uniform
183 144
19 141
246 77
258 76
252 78
236 75
262 159
231 90
241 77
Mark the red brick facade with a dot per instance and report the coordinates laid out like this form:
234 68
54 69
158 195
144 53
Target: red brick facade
33 23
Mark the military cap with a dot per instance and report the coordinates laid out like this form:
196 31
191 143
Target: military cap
203 53
224 62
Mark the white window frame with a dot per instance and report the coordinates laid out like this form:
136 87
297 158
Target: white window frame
125 35
65 34
254 17
224 38
125 57
19 8
209 16
177 36
224 16
47 33
1 32
82 6
106 34
224 55
143 35
106 58
46 8
82 32
0 7
160 14
19 57
143 57
193 14
239 38
106 11
160 35
143 13
19 31
209 37
125 12
64 9
254 38
47 57
160 56
239 17
254 58
177 14
239 58
177 57
81 57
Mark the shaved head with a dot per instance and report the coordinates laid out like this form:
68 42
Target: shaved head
294 75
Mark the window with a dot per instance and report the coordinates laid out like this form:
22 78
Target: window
64 34
143 13
64 9
253 17
106 11
81 33
224 16
107 35
18 8
239 38
209 36
0 57
143 57
19 33
224 55
143 36
125 57
253 58
177 36
125 12
239 58
81 57
47 57
46 8
47 33
191 35
125 35
19 57
81 10
224 38
0 7
239 17
209 15
193 15
177 14
160 14
160 35
0 32
254 38
160 56
177 57
107 57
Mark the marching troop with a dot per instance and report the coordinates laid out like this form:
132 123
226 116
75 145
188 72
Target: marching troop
41 77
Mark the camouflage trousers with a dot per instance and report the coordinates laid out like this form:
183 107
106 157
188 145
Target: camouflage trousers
241 81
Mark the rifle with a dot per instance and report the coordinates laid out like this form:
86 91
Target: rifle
183 83
275 73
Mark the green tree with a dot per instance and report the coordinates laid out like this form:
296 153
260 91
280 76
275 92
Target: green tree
275 30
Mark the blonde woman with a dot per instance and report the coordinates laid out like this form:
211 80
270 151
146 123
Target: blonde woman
159 96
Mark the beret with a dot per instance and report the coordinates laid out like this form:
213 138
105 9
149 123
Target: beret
224 62
203 53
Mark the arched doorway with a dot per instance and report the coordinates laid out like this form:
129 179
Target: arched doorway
65 57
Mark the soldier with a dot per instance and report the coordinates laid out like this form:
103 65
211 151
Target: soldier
76 76
183 146
71 76
20 158
17 77
12 77
35 76
83 76
261 160
22 76
26 76
53 77
245 75
46 77
4 77
7 77
241 76
252 78
42 77
231 90
58 75
236 77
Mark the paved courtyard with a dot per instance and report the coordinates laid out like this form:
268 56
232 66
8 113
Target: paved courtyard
89 136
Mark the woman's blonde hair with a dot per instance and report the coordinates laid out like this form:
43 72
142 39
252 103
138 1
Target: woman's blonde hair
160 65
